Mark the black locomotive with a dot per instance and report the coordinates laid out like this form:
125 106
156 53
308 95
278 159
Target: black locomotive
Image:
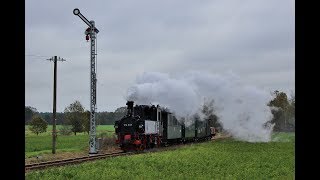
152 126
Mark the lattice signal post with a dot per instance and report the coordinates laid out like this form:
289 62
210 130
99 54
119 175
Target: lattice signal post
91 32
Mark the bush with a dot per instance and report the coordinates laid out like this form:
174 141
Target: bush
38 125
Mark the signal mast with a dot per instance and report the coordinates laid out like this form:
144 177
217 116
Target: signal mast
90 33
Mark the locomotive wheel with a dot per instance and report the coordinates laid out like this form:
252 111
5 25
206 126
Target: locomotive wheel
140 147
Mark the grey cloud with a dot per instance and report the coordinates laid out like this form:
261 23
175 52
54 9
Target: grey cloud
255 39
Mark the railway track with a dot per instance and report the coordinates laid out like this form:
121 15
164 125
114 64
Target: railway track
62 162
42 165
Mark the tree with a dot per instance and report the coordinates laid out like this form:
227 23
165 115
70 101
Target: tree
282 111
75 116
110 118
280 100
86 122
60 118
291 110
209 111
29 112
101 118
38 125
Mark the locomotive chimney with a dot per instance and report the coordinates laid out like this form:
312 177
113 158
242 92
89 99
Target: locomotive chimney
130 108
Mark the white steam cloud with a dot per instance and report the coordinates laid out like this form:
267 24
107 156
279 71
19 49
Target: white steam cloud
242 109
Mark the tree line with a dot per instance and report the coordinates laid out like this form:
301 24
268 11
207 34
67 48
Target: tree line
76 119
102 118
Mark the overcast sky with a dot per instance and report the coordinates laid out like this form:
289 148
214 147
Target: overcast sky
252 38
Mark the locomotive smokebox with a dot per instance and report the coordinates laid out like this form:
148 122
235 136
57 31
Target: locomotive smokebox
130 107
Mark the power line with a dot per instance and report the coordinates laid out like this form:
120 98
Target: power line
35 55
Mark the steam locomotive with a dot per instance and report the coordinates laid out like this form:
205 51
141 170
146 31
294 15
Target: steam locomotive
150 126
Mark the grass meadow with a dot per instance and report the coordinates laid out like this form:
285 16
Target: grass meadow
220 159
42 144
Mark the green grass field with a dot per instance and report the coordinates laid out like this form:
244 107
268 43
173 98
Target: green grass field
42 144
222 159
283 137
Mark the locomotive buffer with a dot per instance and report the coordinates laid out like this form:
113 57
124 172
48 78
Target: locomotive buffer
91 32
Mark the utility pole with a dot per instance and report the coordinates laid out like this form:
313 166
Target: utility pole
54 133
91 32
